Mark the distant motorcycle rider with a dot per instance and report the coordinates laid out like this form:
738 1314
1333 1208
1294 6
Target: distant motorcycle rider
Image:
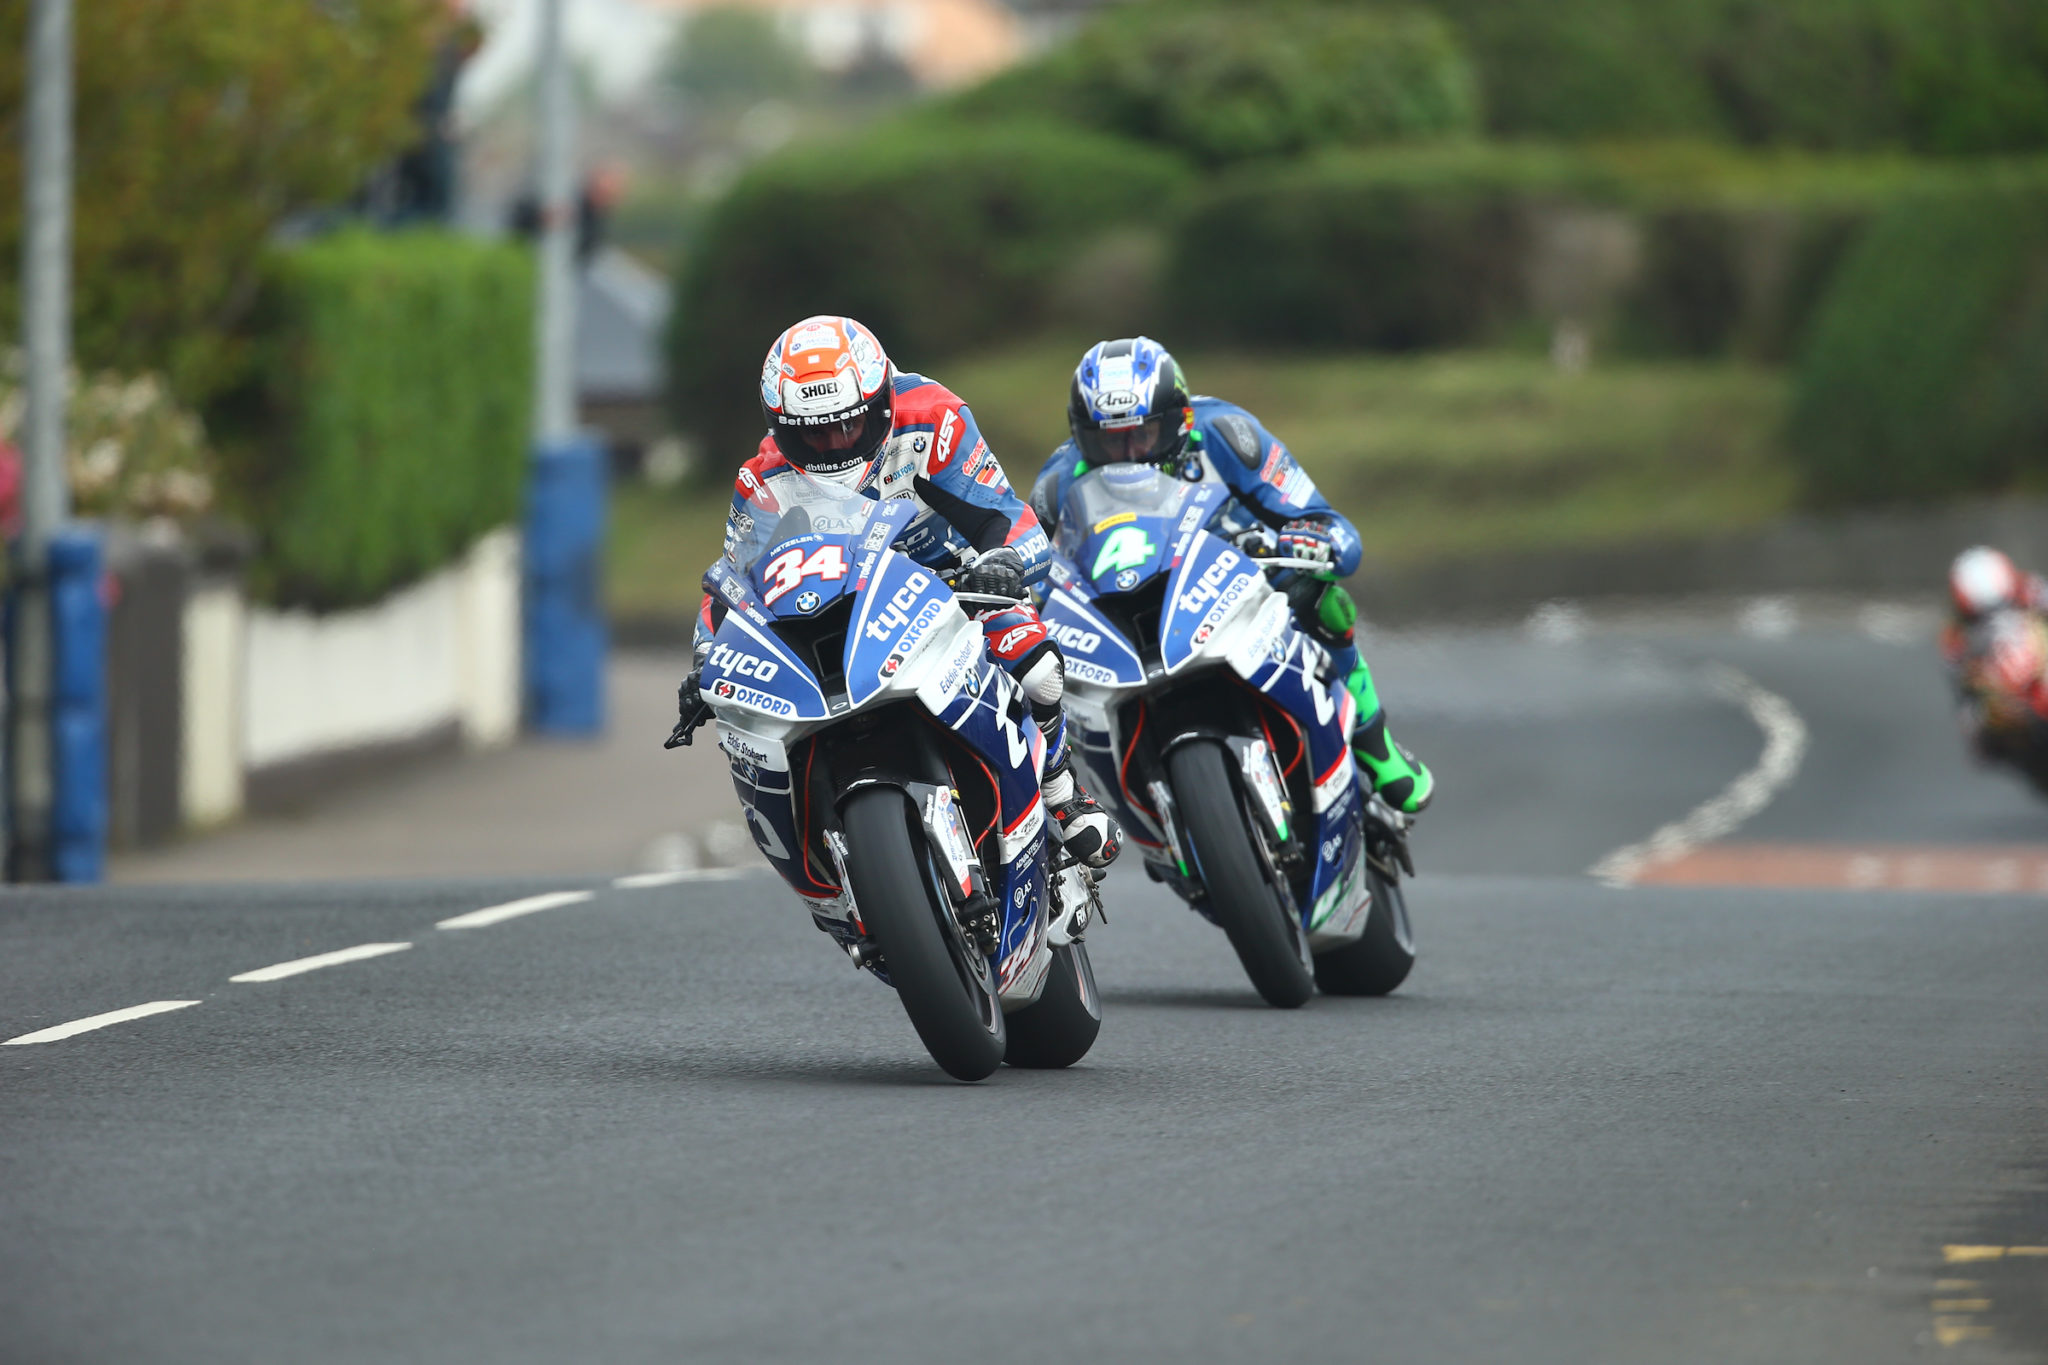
1999 675
839 412
1129 402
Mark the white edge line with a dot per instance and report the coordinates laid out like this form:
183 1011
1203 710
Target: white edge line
1784 748
641 880
60 1031
531 905
280 970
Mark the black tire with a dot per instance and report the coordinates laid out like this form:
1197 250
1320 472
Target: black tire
1058 1029
1246 896
948 989
1384 953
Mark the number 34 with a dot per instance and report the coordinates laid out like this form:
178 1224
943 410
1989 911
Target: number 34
790 568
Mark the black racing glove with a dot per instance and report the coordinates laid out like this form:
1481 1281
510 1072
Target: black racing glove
999 573
691 712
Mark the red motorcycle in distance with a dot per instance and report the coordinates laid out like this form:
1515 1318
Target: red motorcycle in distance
2000 668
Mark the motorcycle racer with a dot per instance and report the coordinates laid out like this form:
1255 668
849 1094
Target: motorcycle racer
1129 402
840 412
1998 672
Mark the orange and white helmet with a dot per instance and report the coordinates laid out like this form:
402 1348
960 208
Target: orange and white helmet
1983 580
826 392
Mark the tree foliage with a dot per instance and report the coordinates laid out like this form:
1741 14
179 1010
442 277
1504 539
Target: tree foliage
199 127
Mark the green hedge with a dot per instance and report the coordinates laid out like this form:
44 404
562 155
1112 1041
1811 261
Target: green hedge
1223 85
1927 370
1394 250
1708 252
388 428
1936 76
938 239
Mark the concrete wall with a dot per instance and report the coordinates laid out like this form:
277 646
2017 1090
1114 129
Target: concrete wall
271 691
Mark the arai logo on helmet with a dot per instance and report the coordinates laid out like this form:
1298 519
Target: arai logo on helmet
807 602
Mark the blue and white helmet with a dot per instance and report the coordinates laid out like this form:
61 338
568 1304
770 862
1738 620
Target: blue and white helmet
1129 403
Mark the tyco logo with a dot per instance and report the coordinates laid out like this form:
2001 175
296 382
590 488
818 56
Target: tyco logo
729 660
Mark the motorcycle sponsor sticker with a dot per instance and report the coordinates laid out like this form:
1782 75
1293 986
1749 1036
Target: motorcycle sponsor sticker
726 659
1080 670
1113 519
1335 782
895 613
1127 580
1206 588
1074 637
725 689
807 602
890 665
765 754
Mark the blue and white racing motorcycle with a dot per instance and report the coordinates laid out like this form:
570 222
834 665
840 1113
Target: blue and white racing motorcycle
1212 723
890 773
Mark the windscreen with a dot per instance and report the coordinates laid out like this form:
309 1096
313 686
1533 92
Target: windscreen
1142 490
798 505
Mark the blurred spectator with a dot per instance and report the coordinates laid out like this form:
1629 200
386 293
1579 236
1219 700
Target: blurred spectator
419 186
602 190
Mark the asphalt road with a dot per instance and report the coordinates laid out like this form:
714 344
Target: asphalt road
670 1123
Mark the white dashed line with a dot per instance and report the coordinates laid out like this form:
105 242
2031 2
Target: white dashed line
1784 747
59 1031
279 971
532 905
641 880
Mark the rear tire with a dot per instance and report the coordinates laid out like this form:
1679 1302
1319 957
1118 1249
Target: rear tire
1384 953
1246 897
948 988
1060 1026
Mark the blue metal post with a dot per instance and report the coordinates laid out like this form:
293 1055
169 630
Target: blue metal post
76 834
564 610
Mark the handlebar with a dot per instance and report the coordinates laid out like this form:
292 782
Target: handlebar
1308 565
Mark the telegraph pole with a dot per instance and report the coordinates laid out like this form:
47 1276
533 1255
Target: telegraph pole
555 389
46 346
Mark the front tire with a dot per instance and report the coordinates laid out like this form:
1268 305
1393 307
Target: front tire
1059 1027
947 987
1384 953
1247 898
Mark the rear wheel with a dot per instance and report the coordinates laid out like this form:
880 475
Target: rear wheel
1248 898
1384 953
1060 1026
947 987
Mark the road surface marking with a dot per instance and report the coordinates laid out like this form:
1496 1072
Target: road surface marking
640 880
1784 747
1954 1253
532 905
1962 1305
279 971
1952 1332
58 1031
1988 870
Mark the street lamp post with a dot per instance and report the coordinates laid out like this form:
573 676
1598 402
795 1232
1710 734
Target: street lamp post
555 398
46 347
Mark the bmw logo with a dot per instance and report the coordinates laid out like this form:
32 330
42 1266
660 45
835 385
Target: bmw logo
1127 580
917 444
807 602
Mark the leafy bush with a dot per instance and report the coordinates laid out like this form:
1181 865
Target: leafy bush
130 450
199 127
1225 85
938 239
1390 250
1924 372
387 426
1936 76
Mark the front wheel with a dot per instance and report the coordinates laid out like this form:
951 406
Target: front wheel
1249 899
1059 1027
1384 953
947 987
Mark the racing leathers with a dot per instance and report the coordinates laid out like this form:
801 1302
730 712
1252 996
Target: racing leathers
1276 505
970 526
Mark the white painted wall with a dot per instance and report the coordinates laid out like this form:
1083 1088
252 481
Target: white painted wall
445 649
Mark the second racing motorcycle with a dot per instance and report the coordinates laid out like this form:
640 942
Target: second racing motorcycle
2000 669
889 772
1212 722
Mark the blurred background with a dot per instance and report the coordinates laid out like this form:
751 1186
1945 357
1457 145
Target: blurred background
1555 299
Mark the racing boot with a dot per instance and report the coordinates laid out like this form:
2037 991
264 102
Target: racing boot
1396 775
1085 829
